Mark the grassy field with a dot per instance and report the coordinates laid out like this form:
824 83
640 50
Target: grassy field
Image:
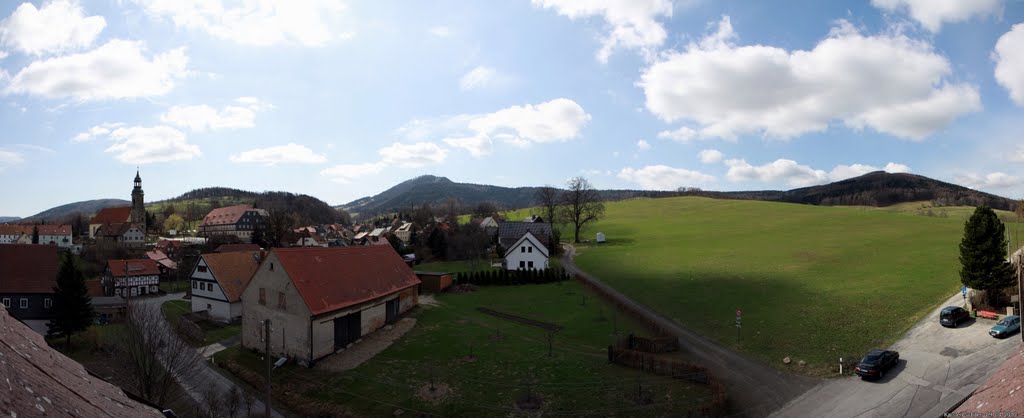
814 283
508 360
212 331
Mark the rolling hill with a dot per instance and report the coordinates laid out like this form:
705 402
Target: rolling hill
9 218
87 208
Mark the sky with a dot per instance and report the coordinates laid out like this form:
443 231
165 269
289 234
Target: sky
341 100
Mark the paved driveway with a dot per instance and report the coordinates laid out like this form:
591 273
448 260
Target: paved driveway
938 368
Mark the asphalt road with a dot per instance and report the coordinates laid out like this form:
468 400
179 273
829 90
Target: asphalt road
938 368
755 389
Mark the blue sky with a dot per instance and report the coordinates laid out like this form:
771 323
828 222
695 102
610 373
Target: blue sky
342 100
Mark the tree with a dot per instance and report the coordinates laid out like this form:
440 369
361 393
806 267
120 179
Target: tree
169 210
485 209
175 222
35 234
396 243
983 254
580 205
151 355
279 222
72 305
548 198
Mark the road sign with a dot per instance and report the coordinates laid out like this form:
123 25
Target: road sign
963 290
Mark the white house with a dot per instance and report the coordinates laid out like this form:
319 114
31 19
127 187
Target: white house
59 235
528 253
218 280
129 278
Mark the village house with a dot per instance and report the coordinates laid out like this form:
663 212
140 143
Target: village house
510 232
169 247
321 300
167 266
59 235
218 280
15 234
125 235
131 278
403 232
28 274
528 253
303 237
238 220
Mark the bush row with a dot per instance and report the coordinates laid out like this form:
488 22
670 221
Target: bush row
502 277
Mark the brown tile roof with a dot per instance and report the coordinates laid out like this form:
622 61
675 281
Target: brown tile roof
140 267
333 278
227 215
53 229
166 243
996 394
161 259
28 268
230 248
9 229
115 229
112 215
40 381
233 271
94 287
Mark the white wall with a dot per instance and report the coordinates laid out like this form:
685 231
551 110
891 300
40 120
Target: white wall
540 261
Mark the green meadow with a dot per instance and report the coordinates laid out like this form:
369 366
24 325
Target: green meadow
814 283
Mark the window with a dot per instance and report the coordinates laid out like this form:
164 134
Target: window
280 300
47 303
522 249
271 266
522 264
7 303
24 303
195 284
529 264
209 307
263 296
530 250
209 287
202 269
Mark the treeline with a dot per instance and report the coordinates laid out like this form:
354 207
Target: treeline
307 210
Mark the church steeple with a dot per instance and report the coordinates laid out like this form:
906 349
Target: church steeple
138 203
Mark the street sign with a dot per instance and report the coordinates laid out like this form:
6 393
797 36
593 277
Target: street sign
964 291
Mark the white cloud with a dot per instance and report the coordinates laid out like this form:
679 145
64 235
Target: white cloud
1009 58
346 173
203 117
440 31
631 24
281 154
642 145
96 131
57 26
9 158
478 77
311 23
662 177
3 54
1018 155
996 180
116 70
710 156
796 175
683 135
931 14
412 155
558 120
144 145
889 82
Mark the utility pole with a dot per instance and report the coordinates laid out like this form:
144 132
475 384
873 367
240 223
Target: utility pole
1020 278
266 354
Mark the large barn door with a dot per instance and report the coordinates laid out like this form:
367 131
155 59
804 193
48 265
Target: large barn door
392 310
347 329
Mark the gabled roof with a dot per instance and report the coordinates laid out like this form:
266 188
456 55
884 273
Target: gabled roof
532 239
378 232
116 229
167 243
52 229
230 248
112 215
162 259
28 268
228 215
233 270
40 381
334 278
140 267
510 232
360 235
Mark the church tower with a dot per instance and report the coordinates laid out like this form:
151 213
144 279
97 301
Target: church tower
138 206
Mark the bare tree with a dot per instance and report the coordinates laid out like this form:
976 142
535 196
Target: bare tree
213 404
151 354
248 400
548 199
233 402
581 204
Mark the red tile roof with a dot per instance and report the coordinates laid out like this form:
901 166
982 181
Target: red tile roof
329 279
140 267
228 215
996 394
230 248
28 268
112 215
166 243
161 259
53 229
94 287
40 381
116 229
233 271
8 229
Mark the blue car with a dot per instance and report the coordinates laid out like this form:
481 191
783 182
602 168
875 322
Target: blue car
1005 326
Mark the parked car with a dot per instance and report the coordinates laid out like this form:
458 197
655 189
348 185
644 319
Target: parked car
1005 326
876 362
951 316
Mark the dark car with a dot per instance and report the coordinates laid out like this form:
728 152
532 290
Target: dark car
951 316
876 362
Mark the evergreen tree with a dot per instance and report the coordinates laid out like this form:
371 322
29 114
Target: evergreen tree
983 254
71 303
35 234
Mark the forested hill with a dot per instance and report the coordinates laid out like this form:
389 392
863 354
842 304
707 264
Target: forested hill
196 203
86 208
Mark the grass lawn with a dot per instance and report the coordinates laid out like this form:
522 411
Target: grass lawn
174 286
212 331
814 283
508 360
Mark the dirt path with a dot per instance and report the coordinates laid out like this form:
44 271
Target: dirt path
364 350
755 389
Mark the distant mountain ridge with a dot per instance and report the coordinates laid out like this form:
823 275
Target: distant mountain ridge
85 207
9 218
872 189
